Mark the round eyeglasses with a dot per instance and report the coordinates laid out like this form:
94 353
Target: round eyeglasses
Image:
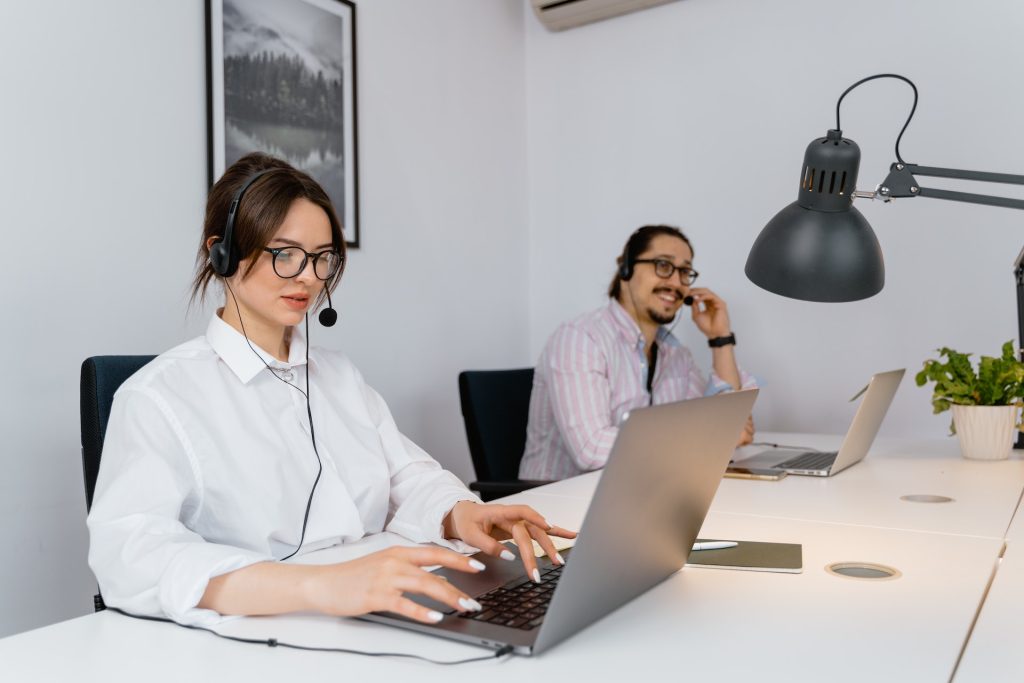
666 269
290 261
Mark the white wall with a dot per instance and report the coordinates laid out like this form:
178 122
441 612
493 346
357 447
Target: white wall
103 184
697 113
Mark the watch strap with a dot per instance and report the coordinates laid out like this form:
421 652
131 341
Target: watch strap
717 342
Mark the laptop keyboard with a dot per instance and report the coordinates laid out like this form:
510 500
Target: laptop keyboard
520 603
813 460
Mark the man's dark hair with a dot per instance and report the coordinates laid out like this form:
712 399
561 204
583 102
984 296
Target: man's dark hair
637 244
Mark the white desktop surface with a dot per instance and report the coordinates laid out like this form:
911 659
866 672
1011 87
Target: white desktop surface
700 623
706 623
985 494
994 652
1015 533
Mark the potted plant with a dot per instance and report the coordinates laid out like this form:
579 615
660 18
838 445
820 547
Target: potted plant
985 404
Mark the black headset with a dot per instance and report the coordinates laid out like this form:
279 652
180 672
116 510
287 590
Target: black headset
629 255
224 256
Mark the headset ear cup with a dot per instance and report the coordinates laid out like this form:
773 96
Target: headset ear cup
221 259
625 270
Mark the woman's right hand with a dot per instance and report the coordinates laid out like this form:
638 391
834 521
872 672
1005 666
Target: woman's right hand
376 583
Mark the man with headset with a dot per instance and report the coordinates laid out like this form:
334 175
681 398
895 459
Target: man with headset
596 368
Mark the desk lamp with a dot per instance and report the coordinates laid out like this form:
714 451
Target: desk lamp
821 248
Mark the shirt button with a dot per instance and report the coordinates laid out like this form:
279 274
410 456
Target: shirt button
287 375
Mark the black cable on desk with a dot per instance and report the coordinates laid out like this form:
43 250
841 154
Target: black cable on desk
274 642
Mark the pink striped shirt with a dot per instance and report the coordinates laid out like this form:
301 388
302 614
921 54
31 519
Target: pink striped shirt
592 371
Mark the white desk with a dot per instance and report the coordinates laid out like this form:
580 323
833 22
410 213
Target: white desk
715 624
985 494
1015 533
712 624
995 651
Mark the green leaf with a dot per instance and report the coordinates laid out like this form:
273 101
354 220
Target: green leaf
998 381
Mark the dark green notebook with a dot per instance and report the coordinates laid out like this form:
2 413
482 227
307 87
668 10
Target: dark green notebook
751 556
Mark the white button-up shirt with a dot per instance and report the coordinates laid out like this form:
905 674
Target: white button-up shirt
592 372
208 463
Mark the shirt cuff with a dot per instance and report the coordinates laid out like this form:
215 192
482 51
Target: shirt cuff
428 527
717 385
452 543
188 575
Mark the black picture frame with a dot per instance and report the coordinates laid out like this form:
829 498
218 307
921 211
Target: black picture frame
281 79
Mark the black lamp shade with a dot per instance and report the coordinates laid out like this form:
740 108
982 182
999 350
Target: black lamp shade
815 256
820 248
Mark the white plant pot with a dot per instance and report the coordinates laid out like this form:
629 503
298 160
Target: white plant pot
985 432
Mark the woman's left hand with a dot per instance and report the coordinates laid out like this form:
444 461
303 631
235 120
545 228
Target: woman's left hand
482 526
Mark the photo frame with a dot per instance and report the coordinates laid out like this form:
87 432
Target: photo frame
281 79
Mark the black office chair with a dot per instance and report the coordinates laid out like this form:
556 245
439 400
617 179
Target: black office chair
495 407
101 376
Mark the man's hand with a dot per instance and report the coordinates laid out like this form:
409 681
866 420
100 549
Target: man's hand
709 313
747 435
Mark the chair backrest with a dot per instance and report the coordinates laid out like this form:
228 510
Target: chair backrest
101 376
495 408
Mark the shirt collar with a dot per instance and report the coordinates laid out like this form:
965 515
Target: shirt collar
231 346
630 330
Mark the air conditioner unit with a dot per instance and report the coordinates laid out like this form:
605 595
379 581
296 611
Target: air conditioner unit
558 15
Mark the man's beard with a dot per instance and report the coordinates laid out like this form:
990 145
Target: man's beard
660 318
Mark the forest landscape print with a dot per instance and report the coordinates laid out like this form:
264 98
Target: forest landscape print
288 89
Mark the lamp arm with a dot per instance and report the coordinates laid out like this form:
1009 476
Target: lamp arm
983 176
1018 271
901 183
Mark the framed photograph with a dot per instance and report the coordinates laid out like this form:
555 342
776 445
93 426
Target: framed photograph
281 79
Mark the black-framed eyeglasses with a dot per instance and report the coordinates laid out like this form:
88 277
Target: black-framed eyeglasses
666 269
290 261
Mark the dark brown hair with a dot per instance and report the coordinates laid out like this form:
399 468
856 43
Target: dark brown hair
259 215
636 245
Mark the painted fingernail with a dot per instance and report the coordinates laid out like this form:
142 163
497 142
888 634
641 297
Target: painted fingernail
507 555
559 558
434 616
536 575
477 565
468 604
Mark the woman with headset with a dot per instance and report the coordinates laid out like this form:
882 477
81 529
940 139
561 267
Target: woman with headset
245 446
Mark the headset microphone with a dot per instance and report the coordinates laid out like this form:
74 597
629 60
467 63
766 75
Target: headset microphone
328 316
688 300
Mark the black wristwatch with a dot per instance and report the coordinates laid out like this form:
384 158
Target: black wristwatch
722 341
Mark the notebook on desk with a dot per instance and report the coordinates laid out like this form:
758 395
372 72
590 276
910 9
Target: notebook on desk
755 556
662 473
863 430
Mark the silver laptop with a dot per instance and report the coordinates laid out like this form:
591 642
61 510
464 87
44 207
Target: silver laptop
662 473
870 413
